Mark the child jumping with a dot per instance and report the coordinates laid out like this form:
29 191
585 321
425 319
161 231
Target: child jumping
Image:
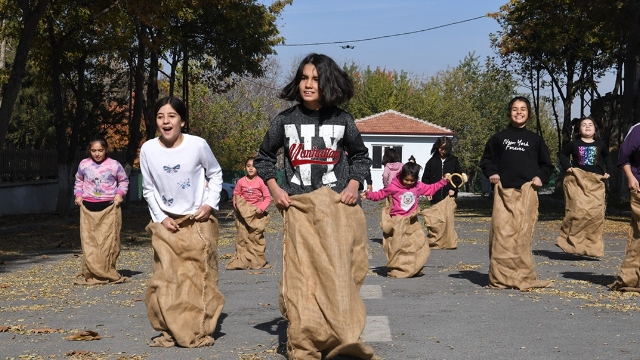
182 181
584 190
517 162
404 241
250 199
100 187
324 248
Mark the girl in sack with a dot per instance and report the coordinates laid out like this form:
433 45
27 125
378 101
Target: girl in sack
182 181
404 241
587 163
100 187
250 199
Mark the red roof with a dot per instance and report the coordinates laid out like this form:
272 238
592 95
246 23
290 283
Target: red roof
394 123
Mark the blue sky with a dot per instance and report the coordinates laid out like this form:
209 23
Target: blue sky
423 53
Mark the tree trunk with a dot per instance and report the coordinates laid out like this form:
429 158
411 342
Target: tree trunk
152 94
135 135
630 66
11 89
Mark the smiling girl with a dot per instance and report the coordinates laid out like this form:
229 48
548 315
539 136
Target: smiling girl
181 184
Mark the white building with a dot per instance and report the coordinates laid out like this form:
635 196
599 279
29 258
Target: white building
408 135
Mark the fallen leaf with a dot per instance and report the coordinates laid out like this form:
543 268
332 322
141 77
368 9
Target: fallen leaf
4 328
84 336
46 330
44 256
77 352
254 272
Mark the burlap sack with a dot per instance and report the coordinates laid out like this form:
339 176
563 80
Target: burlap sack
250 241
183 300
515 212
439 219
100 238
583 225
404 243
325 263
629 278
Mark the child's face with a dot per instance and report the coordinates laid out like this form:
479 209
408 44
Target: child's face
169 124
98 152
251 171
408 181
587 129
442 151
309 90
519 114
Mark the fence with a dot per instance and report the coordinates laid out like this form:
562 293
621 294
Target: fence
29 165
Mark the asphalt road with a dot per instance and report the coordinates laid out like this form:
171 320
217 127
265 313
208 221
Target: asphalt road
448 313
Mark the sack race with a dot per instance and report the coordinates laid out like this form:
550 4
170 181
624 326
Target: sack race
439 219
583 225
250 241
325 263
100 238
629 278
514 216
183 300
404 243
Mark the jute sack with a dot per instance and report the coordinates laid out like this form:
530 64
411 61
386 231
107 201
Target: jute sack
250 241
183 300
515 212
629 278
583 225
100 238
439 220
325 263
404 243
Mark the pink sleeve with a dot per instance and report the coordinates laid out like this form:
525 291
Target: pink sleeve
266 196
77 189
385 176
378 195
430 189
123 180
237 190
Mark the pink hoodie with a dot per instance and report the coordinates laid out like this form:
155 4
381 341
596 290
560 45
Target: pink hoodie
390 171
405 200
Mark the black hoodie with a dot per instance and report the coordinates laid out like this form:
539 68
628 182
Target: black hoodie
322 148
434 171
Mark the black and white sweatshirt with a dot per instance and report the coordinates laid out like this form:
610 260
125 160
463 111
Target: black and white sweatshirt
322 148
517 155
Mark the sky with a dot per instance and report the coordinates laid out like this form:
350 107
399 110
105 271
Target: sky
422 53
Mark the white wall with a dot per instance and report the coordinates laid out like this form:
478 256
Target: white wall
418 146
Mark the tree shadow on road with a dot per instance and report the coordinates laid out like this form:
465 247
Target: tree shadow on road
477 278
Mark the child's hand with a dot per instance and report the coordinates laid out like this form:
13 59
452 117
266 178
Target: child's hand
569 170
259 211
78 200
203 213
536 182
170 224
363 195
451 192
633 184
369 187
606 176
117 200
350 193
494 179
280 198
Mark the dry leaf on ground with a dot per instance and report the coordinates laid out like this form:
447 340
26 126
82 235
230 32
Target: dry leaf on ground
83 336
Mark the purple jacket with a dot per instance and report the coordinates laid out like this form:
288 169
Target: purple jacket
405 200
630 151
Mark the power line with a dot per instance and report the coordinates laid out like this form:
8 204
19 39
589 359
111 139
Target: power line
386 36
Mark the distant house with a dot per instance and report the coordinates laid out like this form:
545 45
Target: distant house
408 135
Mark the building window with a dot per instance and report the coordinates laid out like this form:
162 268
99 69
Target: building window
378 151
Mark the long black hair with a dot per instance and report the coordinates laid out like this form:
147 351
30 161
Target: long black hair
442 141
334 84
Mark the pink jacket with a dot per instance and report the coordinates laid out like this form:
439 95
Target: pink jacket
390 171
405 200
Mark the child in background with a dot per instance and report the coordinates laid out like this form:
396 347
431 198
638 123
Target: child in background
324 249
404 242
100 187
629 161
584 189
182 181
517 162
391 161
250 199
442 162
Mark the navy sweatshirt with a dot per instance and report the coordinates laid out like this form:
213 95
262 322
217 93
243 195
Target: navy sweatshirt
517 155
322 148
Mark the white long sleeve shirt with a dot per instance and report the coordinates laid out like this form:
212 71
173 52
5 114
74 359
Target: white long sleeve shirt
177 181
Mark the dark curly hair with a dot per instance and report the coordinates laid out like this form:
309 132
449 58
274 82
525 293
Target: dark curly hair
411 169
334 84
576 127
